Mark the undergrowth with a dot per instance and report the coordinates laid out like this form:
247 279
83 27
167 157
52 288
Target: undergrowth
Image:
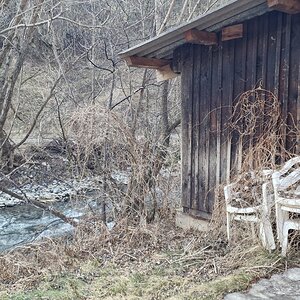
155 261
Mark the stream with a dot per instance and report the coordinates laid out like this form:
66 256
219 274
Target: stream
22 223
25 223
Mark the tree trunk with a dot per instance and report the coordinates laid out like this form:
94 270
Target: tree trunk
6 152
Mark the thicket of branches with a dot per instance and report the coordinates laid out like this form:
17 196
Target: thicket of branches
60 76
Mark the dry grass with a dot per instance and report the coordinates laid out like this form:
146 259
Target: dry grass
155 261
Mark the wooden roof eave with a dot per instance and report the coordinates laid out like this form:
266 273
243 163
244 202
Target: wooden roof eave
162 46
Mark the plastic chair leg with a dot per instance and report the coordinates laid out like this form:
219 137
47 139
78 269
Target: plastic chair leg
266 235
285 239
228 216
289 224
281 217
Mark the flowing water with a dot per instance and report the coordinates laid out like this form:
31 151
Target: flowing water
25 223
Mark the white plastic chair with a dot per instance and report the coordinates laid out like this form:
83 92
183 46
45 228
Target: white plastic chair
259 214
287 200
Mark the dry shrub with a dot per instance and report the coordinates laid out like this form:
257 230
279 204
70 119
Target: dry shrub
105 145
96 139
29 264
257 121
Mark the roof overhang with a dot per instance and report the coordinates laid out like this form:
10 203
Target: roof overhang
157 53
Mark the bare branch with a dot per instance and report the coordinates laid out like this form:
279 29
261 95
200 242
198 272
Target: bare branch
18 26
41 205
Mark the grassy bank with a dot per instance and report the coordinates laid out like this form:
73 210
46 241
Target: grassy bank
155 261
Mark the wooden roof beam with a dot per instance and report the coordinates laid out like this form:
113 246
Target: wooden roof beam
201 37
232 32
145 62
287 6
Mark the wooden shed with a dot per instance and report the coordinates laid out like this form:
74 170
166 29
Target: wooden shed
219 55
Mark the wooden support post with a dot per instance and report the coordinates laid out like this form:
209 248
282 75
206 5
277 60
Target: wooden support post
287 6
232 32
165 73
145 62
196 36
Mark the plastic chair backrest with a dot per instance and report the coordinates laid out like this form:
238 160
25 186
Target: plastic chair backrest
281 182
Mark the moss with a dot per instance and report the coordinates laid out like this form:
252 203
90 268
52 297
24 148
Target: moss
58 288
218 288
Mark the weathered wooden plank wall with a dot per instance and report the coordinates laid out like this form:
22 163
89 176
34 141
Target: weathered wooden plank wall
212 80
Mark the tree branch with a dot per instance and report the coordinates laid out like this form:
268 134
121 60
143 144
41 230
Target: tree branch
38 114
41 205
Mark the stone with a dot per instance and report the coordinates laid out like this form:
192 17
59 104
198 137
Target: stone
185 221
293 274
284 286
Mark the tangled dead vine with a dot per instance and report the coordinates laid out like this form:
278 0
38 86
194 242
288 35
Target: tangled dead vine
262 134
261 130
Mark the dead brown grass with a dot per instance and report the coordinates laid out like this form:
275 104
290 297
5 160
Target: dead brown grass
204 256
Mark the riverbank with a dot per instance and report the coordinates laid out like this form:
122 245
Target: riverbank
155 261
46 175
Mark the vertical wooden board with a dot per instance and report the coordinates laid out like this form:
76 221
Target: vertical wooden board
271 60
252 52
208 92
234 134
284 72
186 114
227 74
285 80
272 41
250 75
191 165
263 58
213 145
241 55
204 140
196 195
259 62
219 114
249 63
262 51
228 100
278 54
294 84
253 48
201 149
240 59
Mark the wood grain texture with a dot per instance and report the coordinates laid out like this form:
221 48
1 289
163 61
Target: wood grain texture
144 62
232 32
201 37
